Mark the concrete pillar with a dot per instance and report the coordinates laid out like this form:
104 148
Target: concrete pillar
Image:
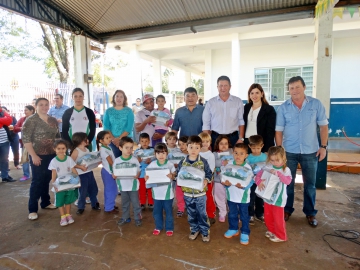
209 83
82 66
134 90
157 77
235 65
187 79
322 58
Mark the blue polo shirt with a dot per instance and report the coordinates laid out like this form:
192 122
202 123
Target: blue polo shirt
189 122
299 126
58 113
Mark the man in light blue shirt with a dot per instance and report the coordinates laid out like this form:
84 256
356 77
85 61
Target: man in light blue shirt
188 119
58 110
223 114
296 130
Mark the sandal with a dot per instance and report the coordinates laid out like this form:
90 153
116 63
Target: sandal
156 232
179 214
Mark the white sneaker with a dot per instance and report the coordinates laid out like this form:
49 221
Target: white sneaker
70 219
33 216
51 206
268 234
275 239
63 221
88 201
76 202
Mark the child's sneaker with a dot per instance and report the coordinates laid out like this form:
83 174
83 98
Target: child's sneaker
244 239
63 221
138 223
212 221
231 233
169 233
275 239
150 206
76 202
205 238
87 201
268 234
123 221
193 235
142 206
24 178
252 220
261 218
156 232
221 219
70 219
179 214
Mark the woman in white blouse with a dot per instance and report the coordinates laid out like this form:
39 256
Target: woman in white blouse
259 117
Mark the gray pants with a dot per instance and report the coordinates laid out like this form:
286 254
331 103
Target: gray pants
126 197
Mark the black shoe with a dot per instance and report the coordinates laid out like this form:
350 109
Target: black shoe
9 179
80 211
96 207
142 206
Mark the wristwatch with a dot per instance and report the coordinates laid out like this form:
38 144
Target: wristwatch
323 146
241 139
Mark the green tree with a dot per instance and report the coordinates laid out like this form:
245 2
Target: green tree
198 85
165 80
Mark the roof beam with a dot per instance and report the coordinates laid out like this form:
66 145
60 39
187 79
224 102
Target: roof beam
285 14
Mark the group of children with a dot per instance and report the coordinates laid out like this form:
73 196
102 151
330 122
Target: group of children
238 199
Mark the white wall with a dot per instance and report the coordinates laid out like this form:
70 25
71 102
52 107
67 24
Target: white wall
345 65
345 72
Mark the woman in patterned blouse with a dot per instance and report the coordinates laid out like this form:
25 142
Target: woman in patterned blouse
38 134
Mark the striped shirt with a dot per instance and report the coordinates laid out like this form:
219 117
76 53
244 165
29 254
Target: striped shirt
3 136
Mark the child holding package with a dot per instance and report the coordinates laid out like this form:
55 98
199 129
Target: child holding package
274 209
195 200
103 141
163 194
128 185
63 165
144 140
88 183
160 102
256 207
238 197
222 145
209 156
171 139
180 203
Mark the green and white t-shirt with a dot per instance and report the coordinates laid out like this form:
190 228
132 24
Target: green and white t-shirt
106 151
162 192
62 167
79 122
239 195
126 183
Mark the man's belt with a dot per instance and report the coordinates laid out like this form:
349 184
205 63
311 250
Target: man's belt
230 134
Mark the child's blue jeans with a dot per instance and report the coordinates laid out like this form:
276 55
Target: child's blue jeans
236 209
88 187
159 207
197 217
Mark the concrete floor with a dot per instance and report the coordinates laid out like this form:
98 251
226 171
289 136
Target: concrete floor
95 242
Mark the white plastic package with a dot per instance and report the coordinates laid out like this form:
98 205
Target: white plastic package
236 175
176 156
157 176
125 169
90 160
191 177
256 167
66 182
145 153
161 118
271 186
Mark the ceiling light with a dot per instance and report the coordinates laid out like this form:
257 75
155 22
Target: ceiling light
117 47
193 29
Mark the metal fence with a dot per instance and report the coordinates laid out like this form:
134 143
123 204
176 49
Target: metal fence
15 96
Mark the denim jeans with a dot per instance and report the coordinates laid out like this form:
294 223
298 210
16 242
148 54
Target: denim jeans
236 209
308 163
39 187
117 152
15 149
197 217
159 207
88 188
4 159
26 169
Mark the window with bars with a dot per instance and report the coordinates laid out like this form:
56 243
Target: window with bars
274 81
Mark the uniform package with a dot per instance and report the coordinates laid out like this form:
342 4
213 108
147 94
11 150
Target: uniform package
256 167
91 160
225 156
176 156
125 169
145 153
236 175
161 118
191 177
271 186
66 182
157 176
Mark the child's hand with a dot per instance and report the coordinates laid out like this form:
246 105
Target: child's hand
83 168
139 159
238 185
261 185
148 161
273 172
171 176
113 176
146 178
227 183
205 183
56 189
